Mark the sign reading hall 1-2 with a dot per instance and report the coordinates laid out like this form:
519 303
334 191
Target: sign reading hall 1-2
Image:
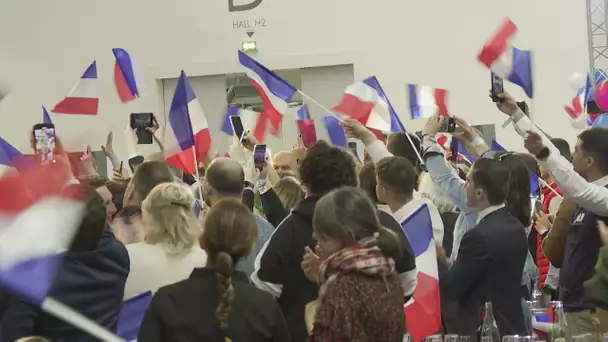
243 7
249 23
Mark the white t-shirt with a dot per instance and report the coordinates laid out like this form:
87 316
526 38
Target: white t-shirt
152 267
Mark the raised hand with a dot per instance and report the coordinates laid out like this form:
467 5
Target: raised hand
108 149
507 103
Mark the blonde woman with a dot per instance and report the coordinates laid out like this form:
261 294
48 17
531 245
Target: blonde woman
217 303
170 251
289 190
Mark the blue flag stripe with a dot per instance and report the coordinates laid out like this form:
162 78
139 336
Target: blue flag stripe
419 230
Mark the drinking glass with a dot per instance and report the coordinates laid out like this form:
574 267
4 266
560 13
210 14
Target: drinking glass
450 338
466 339
509 338
434 338
583 338
523 339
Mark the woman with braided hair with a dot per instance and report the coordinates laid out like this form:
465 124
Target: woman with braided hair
217 303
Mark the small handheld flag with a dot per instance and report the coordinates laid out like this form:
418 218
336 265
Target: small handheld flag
276 93
9 155
578 109
362 102
83 98
307 132
507 61
426 101
126 76
396 124
335 131
187 129
423 311
46 118
303 113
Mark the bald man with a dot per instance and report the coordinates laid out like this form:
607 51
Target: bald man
284 163
224 178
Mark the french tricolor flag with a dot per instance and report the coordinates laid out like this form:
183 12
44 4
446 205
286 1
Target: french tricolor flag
126 76
187 138
426 101
83 98
462 154
38 219
9 155
396 124
363 102
505 60
423 311
306 126
303 113
577 110
335 131
46 118
276 93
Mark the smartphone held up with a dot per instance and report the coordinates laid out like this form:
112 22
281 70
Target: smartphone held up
497 87
141 122
237 126
44 142
259 156
448 125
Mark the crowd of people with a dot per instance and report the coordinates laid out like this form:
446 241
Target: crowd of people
310 247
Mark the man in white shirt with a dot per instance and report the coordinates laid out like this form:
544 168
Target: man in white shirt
404 202
396 181
584 182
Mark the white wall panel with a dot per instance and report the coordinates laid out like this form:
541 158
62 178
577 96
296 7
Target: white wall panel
48 44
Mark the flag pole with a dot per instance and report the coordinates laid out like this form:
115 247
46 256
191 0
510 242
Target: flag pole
340 119
198 177
549 187
318 104
78 320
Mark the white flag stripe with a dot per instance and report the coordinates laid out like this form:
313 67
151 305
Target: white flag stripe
45 228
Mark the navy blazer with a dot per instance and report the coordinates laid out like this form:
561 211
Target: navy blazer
92 283
489 268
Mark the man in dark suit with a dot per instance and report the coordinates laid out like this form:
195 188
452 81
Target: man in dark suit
491 256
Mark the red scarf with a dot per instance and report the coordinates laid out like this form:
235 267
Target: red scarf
365 256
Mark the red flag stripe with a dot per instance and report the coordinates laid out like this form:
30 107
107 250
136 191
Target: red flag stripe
270 111
354 107
308 132
122 88
77 105
497 44
440 95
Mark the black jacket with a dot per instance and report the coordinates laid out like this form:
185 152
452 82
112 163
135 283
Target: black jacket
185 311
92 283
271 204
489 268
278 268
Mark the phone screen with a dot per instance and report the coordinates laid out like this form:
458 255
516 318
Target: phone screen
448 126
497 87
259 156
45 144
237 126
141 120
353 147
